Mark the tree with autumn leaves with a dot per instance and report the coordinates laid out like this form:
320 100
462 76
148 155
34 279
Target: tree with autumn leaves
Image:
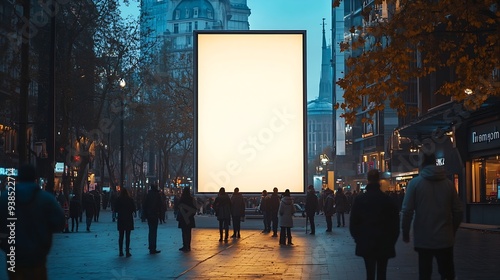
415 40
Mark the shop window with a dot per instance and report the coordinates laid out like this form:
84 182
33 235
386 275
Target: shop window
485 175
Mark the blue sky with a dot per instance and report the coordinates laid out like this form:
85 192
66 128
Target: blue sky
296 15
289 15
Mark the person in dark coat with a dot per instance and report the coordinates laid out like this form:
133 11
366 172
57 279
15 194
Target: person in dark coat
185 216
89 207
112 201
75 208
237 212
152 212
125 209
105 199
340 206
329 209
97 200
264 207
222 206
163 211
39 216
374 225
274 205
311 207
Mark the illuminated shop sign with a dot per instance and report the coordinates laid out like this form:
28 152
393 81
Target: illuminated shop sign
485 136
8 171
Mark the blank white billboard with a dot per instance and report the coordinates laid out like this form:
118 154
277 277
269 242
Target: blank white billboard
250 110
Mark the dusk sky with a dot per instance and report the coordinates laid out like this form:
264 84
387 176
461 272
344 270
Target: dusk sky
288 15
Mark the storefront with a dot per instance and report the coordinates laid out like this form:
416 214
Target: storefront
483 172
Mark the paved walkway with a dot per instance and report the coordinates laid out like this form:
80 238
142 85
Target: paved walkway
325 255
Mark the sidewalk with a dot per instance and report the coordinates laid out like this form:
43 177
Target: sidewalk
325 255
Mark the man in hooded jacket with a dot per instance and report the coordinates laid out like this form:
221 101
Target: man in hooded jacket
432 201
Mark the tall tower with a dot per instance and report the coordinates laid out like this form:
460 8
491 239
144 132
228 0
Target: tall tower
320 110
325 82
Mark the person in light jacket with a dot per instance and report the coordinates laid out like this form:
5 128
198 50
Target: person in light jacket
286 211
432 203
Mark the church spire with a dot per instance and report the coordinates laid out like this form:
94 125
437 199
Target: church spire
325 82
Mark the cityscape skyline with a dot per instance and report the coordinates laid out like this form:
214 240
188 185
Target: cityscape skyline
285 15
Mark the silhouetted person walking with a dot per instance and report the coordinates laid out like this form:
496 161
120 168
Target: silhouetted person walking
329 209
125 209
237 211
89 207
264 208
75 208
374 225
185 216
274 205
311 207
340 206
431 199
152 212
222 206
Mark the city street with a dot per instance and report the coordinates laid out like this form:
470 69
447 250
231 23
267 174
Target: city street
255 255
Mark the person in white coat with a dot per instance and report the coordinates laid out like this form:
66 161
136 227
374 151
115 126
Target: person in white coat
286 211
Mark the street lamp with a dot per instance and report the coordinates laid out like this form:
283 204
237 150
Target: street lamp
324 161
122 156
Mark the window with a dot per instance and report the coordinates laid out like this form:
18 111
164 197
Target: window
195 25
485 173
190 27
187 13
177 14
176 28
195 12
210 13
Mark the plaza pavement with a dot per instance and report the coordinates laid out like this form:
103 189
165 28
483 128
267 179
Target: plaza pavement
255 255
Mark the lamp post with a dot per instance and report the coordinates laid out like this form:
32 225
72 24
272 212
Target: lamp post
324 161
122 155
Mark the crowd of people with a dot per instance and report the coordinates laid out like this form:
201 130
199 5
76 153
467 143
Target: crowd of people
431 206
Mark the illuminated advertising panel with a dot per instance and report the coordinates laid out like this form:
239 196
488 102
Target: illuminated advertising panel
250 110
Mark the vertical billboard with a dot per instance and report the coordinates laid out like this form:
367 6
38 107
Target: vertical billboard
250 111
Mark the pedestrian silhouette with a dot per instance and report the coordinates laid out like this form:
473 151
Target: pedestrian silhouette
185 218
222 206
311 207
374 225
125 209
237 212
152 212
